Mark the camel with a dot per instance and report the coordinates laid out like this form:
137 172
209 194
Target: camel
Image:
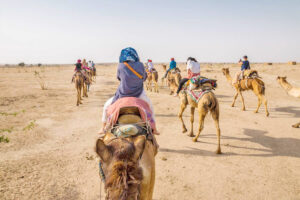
78 78
164 81
254 84
152 78
292 91
207 103
86 84
173 79
128 164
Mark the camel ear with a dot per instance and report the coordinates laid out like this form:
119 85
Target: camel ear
102 150
284 77
139 143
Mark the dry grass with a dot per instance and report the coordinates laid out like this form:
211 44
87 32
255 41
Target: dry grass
41 80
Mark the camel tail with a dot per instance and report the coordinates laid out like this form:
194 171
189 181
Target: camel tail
211 102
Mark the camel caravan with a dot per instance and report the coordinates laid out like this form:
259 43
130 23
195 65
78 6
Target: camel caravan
127 145
85 75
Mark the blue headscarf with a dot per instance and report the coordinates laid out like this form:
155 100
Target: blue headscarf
129 55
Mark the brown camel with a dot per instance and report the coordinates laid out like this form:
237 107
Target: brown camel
292 91
152 78
164 81
173 78
86 84
128 163
78 78
254 84
207 103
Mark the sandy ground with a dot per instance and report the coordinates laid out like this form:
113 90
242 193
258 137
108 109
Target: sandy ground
51 150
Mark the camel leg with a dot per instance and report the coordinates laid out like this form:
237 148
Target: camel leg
192 122
296 125
259 103
234 99
202 114
266 106
215 116
242 99
78 97
182 108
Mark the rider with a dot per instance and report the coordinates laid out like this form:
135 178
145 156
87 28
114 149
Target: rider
245 65
193 68
78 68
172 66
150 65
90 65
130 84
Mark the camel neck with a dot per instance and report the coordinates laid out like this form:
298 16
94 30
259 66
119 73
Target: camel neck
286 85
228 77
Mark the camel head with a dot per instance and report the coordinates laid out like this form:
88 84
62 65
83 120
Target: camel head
281 79
225 71
120 164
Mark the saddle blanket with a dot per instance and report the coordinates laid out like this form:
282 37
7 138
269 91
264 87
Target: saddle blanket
113 110
196 95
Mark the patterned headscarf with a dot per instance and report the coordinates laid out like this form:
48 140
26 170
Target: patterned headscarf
129 54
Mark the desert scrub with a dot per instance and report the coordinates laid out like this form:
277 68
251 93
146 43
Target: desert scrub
30 126
4 139
13 114
8 130
41 80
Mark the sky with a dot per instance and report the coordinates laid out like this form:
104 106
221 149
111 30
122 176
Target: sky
61 31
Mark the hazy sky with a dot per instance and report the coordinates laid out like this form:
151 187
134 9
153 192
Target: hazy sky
61 31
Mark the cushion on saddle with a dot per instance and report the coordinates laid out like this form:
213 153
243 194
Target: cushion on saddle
200 82
250 73
115 112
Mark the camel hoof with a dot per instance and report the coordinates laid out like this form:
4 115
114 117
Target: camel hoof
191 135
194 139
255 111
243 109
184 130
232 105
218 151
80 102
267 114
295 126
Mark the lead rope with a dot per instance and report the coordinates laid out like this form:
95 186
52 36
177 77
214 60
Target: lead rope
102 176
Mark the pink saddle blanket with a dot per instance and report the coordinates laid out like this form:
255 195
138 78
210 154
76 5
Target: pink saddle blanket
113 110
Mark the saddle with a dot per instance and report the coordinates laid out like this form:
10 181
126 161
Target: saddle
129 117
197 86
175 70
249 74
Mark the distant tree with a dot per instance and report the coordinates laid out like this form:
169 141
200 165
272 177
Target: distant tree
22 64
39 64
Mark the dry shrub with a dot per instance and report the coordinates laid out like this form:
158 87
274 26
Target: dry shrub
41 80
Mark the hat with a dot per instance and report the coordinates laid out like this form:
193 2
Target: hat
172 58
79 61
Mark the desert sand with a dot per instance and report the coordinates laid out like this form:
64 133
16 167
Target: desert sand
50 153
